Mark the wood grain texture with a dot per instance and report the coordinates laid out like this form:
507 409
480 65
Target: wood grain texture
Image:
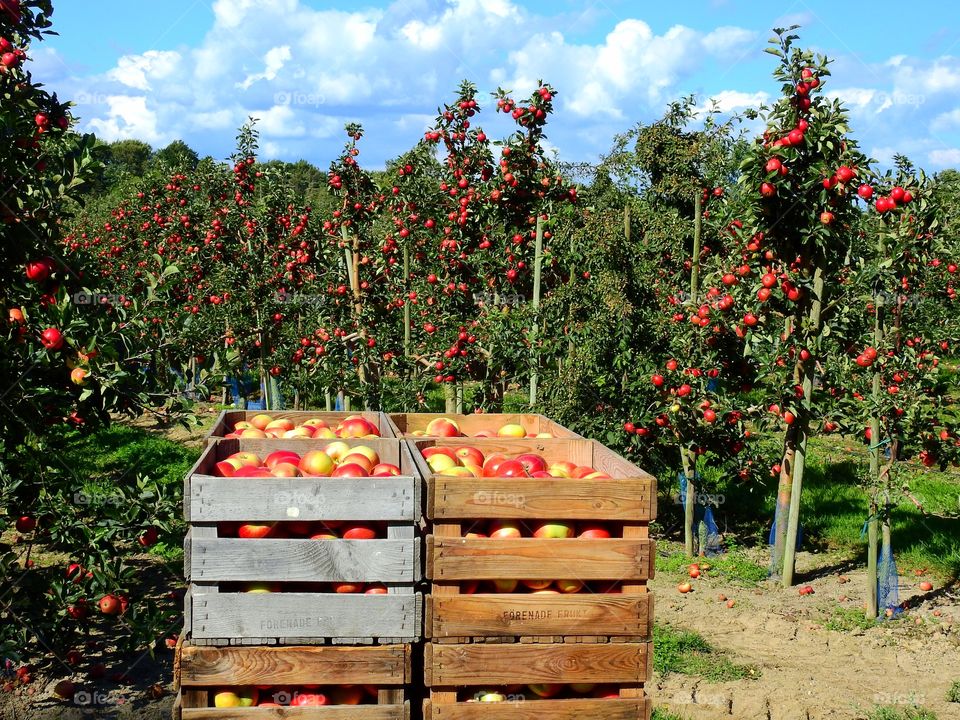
615 709
405 423
452 559
214 499
329 712
627 499
306 615
228 418
265 560
493 616
481 664
327 665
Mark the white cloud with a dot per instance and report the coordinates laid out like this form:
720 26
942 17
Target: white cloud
945 158
728 101
136 71
273 61
128 117
729 41
306 71
280 121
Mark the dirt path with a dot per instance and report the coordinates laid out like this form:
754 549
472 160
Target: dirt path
809 672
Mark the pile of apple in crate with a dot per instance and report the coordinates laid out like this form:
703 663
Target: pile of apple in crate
358 566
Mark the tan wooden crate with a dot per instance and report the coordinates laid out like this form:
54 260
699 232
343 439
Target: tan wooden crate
197 670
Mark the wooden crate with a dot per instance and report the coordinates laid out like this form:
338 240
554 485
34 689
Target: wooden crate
218 617
455 504
229 418
406 423
200 669
453 670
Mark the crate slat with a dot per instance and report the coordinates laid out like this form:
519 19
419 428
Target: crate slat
214 499
627 499
305 615
265 560
502 665
452 559
326 665
330 712
586 709
492 616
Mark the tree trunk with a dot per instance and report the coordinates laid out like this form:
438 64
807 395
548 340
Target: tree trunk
784 491
689 501
807 373
535 329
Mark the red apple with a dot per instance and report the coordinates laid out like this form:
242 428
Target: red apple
358 459
316 463
309 700
281 456
443 427
511 468
110 604
26 524
532 463
358 427
491 465
254 531
470 456
505 529
440 450
384 470
594 531
553 530
285 470
377 589
345 588
359 532
350 470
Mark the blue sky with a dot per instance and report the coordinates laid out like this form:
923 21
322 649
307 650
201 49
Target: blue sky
196 69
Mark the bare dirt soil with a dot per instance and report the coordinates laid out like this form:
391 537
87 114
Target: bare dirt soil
808 671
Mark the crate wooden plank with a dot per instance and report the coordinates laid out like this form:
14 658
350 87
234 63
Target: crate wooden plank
481 664
404 424
499 615
214 499
237 559
228 418
302 615
454 559
325 665
628 499
329 712
608 709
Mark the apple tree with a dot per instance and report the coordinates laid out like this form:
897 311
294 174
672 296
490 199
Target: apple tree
76 353
799 183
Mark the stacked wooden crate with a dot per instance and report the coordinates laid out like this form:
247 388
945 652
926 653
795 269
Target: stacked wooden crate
492 654
279 611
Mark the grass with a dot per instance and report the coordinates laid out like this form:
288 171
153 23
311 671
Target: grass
891 712
733 565
689 653
848 620
835 507
106 454
659 714
953 694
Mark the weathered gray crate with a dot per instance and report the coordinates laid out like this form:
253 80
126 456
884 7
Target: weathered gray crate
218 617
